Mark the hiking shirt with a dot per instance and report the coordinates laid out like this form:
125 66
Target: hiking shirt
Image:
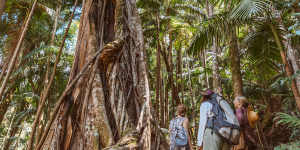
241 114
205 110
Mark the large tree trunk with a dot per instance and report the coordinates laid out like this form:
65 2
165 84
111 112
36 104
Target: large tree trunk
237 82
113 96
2 7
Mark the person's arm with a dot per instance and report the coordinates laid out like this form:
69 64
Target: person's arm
186 127
240 116
204 109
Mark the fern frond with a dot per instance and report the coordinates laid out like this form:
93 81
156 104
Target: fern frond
289 120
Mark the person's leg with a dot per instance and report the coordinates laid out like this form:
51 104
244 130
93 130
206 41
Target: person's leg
211 141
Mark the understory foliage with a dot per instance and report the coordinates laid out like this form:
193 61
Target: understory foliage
235 47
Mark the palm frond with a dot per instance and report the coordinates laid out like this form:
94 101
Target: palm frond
214 28
249 8
262 51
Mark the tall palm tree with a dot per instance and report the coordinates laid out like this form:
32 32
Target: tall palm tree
265 13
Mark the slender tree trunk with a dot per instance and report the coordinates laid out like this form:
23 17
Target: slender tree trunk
16 122
179 73
163 103
292 54
45 93
57 13
175 97
167 55
215 67
158 101
237 82
166 98
2 7
40 125
159 89
17 50
288 69
4 104
206 78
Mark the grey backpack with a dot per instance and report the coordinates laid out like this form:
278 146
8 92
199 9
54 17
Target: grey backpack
178 134
223 121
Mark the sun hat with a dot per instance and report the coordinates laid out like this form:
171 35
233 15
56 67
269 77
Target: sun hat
252 117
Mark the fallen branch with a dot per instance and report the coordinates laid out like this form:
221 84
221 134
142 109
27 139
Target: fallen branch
116 45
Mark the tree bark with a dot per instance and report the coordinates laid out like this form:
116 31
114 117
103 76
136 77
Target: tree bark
292 53
179 79
159 88
206 79
2 7
237 82
166 98
158 102
288 69
89 116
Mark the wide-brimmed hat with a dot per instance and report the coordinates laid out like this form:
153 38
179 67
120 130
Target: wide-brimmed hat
206 92
252 117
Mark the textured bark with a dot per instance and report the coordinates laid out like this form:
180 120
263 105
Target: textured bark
235 65
17 50
206 78
292 54
2 7
110 49
114 95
